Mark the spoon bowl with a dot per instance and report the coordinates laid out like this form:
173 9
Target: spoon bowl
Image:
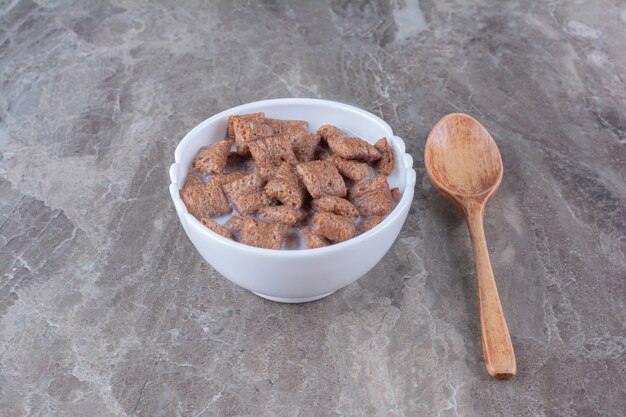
462 158
464 164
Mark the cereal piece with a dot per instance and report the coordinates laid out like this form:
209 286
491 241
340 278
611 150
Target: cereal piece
321 178
369 224
246 194
328 131
354 148
225 178
396 194
249 130
287 126
337 205
372 197
270 152
384 166
263 235
313 240
211 159
352 170
333 227
216 227
235 224
305 145
283 215
230 130
287 187
205 200
192 180
346 147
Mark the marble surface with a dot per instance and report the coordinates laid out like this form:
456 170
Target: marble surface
107 310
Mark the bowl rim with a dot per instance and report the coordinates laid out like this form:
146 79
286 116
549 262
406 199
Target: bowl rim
405 159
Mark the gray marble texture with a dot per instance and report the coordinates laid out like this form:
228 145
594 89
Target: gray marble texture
106 309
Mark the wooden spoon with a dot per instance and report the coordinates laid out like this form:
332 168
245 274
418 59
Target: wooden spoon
464 164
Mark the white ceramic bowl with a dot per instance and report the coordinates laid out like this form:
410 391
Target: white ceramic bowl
296 276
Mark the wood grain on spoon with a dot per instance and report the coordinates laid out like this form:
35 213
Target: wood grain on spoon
464 164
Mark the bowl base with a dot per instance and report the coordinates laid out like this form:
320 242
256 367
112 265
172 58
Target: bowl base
293 300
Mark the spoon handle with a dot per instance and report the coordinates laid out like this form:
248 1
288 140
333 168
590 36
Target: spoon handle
497 346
